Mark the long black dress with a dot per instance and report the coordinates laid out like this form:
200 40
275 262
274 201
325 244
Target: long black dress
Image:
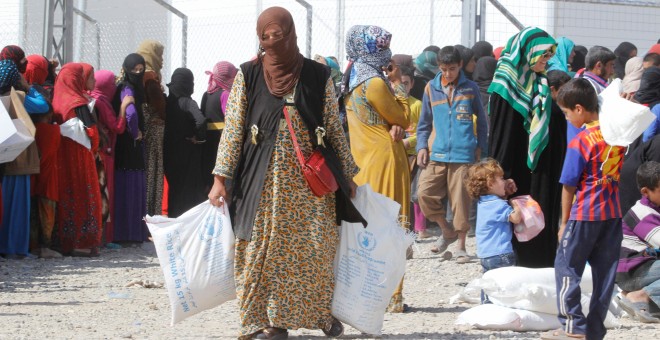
637 155
182 159
508 142
212 109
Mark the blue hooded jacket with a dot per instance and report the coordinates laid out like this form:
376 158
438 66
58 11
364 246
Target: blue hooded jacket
455 140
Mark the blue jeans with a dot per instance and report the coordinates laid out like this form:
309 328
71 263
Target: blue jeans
494 262
498 261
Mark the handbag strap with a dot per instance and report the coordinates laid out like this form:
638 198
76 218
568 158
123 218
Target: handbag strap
301 159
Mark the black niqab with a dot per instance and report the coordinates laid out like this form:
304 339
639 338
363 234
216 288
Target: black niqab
182 83
484 71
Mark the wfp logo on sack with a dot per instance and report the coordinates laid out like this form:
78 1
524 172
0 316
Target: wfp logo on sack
212 228
366 240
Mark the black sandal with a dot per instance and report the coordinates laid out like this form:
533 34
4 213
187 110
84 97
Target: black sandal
272 333
333 329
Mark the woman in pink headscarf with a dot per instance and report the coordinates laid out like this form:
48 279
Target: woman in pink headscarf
213 106
111 124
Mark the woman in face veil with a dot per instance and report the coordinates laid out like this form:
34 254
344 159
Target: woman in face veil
130 179
286 236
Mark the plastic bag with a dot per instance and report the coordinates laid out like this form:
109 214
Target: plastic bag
531 289
533 219
196 253
496 317
370 262
490 317
621 121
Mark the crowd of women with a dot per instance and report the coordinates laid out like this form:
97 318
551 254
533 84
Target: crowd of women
122 149
110 149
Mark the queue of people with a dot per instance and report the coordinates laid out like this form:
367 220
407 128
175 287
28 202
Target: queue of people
96 167
450 134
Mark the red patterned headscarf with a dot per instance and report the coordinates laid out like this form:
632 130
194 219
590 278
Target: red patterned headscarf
15 54
69 91
222 77
36 71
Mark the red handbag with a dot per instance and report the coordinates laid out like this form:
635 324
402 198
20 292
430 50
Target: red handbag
317 174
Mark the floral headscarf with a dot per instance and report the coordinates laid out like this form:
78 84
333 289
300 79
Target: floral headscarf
368 48
8 75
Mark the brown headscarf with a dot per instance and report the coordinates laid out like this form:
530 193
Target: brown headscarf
282 60
152 52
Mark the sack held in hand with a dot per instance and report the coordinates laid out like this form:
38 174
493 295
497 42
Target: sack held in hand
317 174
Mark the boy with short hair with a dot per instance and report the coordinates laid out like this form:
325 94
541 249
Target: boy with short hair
638 272
591 217
449 104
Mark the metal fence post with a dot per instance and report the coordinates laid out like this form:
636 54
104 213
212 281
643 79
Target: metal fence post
184 29
340 29
469 23
309 9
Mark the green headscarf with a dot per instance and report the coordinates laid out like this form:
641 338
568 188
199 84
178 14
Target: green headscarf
525 90
560 60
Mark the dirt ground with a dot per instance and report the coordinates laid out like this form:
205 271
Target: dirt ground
87 298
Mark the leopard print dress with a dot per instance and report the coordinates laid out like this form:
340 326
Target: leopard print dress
284 273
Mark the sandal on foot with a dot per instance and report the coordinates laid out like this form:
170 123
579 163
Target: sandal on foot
560 334
638 310
423 234
442 244
273 333
462 257
333 329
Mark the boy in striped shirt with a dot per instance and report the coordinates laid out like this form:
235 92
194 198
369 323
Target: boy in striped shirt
591 218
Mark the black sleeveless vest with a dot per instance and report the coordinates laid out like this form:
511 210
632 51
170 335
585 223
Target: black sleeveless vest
265 111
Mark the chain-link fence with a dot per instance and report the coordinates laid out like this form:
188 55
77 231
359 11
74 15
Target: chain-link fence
104 32
586 22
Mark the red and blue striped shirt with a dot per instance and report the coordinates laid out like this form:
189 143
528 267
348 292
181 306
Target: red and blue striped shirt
593 167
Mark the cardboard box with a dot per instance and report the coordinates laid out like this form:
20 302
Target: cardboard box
16 128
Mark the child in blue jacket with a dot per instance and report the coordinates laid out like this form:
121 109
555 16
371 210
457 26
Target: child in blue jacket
450 105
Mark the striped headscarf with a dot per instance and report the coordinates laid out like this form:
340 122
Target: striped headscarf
222 76
525 90
9 75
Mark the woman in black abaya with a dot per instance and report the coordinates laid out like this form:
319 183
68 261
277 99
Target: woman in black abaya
526 138
185 131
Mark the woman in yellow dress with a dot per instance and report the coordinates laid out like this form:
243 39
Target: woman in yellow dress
378 114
